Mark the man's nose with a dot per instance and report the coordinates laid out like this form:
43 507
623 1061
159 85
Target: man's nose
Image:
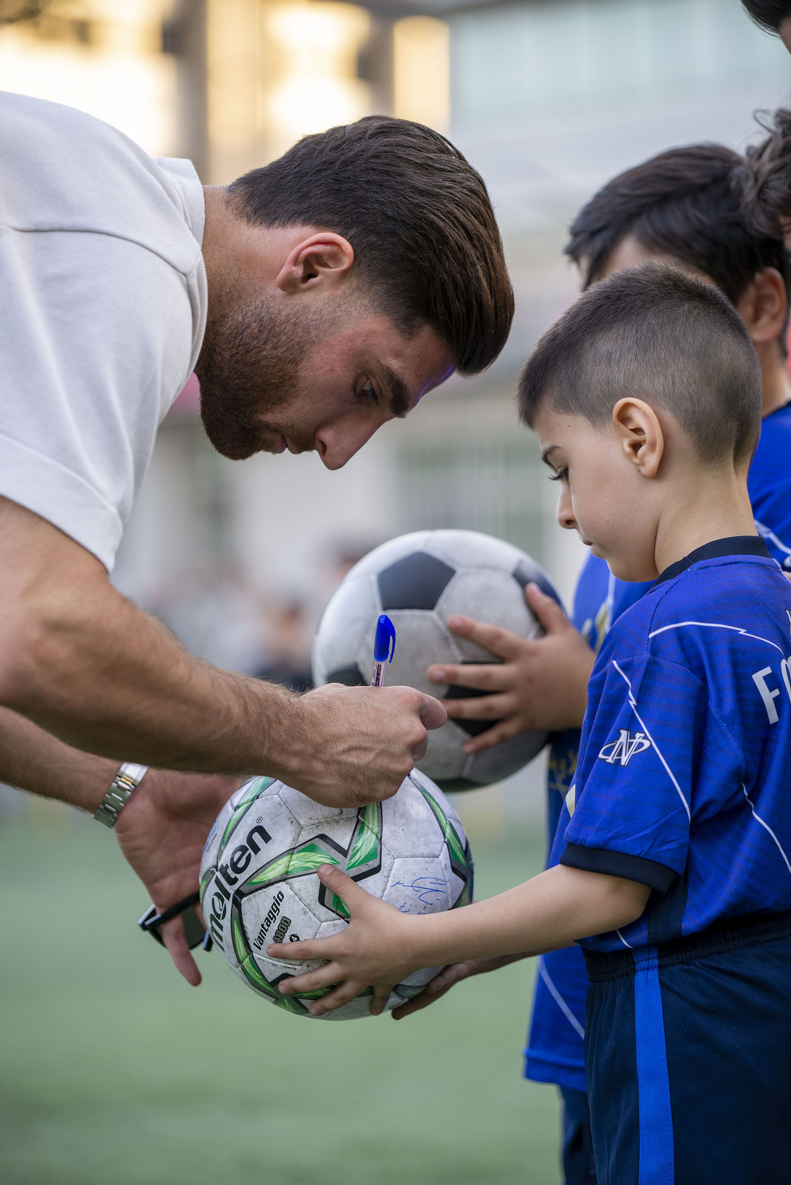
339 440
564 512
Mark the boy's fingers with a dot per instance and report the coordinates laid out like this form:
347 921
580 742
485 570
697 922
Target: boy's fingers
343 994
352 896
311 948
503 730
479 676
489 707
380 997
310 981
499 641
176 944
547 610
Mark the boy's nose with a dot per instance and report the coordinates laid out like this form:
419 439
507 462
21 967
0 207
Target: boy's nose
564 512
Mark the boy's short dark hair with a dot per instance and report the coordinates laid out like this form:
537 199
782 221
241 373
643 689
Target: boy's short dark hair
655 333
770 14
683 203
419 219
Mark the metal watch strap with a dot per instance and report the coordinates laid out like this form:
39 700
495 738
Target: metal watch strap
125 781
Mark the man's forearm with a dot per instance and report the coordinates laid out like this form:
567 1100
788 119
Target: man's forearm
34 760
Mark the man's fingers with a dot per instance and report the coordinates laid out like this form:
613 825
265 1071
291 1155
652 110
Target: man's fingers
435 989
499 641
431 712
176 944
547 610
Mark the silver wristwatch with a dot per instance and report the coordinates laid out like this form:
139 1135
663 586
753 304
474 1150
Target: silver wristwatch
125 781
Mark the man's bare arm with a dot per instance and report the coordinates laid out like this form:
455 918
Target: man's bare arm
87 665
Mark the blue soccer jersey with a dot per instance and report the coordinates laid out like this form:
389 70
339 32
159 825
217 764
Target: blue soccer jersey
682 778
769 484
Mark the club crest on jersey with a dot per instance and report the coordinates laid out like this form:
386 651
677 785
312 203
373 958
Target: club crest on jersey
624 747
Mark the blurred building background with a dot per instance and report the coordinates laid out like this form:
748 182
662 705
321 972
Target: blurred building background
548 98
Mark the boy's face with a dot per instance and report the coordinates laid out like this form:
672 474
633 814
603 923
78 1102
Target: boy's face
602 495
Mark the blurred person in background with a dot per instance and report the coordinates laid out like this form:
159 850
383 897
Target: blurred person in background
288 633
680 207
774 15
316 298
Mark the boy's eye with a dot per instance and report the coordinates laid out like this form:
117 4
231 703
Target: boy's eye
367 392
561 475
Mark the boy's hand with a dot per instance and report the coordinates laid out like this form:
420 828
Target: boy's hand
442 983
541 683
375 950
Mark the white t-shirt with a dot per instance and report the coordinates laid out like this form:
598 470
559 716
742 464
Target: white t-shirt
102 312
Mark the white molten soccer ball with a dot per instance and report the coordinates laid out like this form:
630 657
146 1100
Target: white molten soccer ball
259 884
421 580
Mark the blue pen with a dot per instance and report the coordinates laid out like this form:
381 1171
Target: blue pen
384 649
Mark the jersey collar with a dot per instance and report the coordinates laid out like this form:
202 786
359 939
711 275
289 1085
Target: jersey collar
735 545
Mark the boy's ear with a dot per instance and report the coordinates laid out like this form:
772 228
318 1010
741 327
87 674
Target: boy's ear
762 305
640 433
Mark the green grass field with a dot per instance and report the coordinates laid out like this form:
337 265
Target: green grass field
115 1072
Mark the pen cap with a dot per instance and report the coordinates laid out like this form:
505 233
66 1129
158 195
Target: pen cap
384 642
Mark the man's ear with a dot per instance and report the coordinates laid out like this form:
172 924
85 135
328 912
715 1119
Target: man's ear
321 259
762 306
640 433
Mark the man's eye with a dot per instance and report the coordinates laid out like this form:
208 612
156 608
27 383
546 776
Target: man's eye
561 475
367 392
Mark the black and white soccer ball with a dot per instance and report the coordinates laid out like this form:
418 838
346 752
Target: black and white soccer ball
420 580
259 880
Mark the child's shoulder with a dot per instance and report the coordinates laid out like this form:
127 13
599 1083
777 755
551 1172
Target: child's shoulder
728 590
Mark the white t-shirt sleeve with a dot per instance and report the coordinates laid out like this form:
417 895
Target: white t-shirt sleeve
94 329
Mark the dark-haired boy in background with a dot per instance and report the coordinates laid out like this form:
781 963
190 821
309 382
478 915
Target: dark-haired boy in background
679 207
671 860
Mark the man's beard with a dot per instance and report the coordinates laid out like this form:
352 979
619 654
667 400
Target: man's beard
248 370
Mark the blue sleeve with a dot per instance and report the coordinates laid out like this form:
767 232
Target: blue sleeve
647 731
769 485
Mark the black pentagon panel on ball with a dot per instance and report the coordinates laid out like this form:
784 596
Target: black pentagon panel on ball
453 785
523 574
415 582
348 676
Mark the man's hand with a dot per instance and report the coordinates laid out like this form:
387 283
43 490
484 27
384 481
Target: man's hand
436 988
161 832
540 683
355 745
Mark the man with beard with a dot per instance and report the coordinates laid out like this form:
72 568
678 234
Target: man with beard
316 298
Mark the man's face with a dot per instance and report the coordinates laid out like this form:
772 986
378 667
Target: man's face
601 495
307 378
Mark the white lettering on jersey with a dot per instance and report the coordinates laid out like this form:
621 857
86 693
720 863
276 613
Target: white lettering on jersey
624 747
767 695
788 615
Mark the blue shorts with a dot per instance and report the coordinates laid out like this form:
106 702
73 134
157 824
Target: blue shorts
688 1054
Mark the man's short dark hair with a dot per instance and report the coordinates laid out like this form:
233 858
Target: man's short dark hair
684 203
655 333
418 216
770 14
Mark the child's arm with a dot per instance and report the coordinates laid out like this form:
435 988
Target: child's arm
448 977
540 683
381 947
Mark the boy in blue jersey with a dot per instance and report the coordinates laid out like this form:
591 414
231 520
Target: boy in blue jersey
681 207
671 861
